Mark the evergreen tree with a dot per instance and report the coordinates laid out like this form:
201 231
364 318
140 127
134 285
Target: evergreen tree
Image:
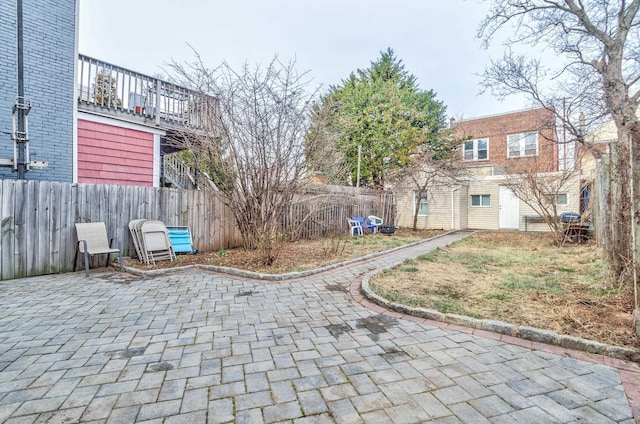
105 90
380 111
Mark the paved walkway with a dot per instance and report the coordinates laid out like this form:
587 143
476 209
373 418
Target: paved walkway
197 347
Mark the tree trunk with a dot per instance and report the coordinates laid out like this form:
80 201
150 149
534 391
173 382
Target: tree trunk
620 241
633 140
623 112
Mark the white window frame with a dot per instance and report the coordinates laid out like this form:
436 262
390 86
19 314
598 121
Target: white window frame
521 140
481 198
555 198
415 204
475 142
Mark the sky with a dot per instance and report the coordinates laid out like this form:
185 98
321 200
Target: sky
435 39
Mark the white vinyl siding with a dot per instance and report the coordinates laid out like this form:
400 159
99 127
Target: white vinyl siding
483 217
438 207
482 189
477 149
522 144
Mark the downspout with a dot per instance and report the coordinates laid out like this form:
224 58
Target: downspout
21 162
77 87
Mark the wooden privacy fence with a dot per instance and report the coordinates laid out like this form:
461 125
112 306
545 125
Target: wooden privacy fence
37 220
600 203
323 210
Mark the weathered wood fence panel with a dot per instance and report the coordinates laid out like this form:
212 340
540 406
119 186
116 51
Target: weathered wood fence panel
600 206
37 232
37 220
323 210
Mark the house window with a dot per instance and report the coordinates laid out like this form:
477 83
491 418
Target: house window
423 205
481 200
477 149
558 199
522 144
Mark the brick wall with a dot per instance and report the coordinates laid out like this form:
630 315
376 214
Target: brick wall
109 154
496 128
49 58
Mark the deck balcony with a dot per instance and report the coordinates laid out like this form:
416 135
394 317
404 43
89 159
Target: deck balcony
120 93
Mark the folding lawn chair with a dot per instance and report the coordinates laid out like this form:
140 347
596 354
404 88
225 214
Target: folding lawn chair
92 240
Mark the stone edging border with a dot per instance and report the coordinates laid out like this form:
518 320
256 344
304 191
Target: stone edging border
524 332
276 277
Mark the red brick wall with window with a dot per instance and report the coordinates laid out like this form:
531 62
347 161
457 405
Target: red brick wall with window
496 129
108 154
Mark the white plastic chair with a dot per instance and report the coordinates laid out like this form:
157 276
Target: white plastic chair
355 227
375 221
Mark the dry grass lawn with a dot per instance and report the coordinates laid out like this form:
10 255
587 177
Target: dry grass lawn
519 278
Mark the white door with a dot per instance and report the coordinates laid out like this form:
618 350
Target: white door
509 209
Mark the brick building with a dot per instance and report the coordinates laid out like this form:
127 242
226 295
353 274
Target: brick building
496 148
515 142
49 34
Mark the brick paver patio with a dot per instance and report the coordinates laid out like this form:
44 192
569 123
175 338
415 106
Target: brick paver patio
197 346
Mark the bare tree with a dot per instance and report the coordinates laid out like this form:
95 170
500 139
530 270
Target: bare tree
597 46
430 169
254 150
542 192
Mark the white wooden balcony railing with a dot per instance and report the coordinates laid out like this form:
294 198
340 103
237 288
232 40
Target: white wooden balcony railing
116 91
181 175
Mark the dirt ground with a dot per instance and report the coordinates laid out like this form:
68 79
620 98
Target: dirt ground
520 278
300 255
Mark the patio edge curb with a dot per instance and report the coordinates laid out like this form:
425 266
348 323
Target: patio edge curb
523 332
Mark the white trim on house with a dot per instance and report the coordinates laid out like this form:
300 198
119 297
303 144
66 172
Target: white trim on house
481 198
494 115
74 141
156 160
416 205
475 157
505 176
118 123
521 139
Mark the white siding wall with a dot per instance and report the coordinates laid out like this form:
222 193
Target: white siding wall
572 188
476 217
482 217
439 209
463 201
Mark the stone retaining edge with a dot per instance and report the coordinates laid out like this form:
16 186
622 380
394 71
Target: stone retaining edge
524 332
275 277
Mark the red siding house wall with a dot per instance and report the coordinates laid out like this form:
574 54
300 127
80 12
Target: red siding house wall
109 154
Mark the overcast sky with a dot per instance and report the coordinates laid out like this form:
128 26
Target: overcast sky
330 38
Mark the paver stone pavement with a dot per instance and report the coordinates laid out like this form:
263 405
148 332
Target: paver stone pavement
197 346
